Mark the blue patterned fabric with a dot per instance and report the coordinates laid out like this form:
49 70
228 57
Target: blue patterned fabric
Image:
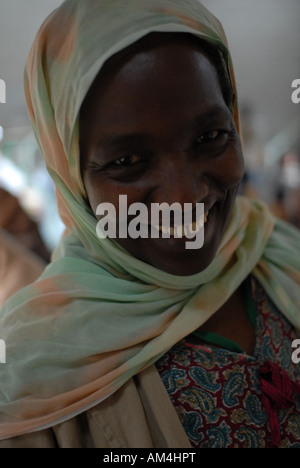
217 392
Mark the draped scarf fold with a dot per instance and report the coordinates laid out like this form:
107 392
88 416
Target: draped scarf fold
97 315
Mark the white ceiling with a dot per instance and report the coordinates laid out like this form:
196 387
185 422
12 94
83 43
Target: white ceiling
264 36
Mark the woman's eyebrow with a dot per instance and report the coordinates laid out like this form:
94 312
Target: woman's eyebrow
122 139
116 140
214 114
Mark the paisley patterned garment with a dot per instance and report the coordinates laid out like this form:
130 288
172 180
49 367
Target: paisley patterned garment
218 393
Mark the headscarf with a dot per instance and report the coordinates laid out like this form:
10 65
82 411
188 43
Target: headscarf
97 315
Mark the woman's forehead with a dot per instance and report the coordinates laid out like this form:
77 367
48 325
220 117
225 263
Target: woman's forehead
163 99
151 43
164 55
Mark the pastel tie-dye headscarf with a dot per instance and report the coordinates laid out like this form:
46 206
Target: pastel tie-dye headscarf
97 315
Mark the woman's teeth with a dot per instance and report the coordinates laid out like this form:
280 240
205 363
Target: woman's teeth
182 231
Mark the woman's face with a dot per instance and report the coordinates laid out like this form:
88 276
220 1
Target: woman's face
155 127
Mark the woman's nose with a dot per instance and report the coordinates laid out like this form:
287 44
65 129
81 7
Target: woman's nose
180 183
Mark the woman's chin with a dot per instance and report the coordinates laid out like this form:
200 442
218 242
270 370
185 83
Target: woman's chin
187 265
171 255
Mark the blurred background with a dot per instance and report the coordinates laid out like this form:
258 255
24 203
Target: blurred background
264 38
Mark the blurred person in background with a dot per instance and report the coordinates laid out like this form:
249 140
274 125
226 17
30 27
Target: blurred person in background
287 192
16 221
23 253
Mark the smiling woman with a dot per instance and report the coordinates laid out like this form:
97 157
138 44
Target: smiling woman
140 342
177 143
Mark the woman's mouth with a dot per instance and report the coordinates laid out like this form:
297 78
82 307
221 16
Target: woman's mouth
187 230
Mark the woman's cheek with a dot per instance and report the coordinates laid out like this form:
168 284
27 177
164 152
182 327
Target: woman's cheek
233 166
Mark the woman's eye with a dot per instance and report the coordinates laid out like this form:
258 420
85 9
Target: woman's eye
127 160
210 136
